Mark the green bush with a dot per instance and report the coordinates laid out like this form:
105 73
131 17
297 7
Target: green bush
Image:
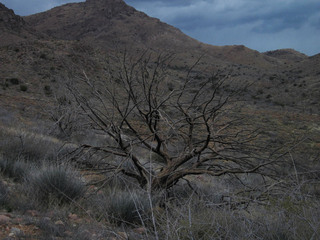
55 185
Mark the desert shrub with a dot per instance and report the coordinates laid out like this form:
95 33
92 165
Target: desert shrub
16 170
4 193
49 229
194 220
14 81
30 149
43 56
96 205
127 207
295 219
47 90
120 202
23 88
55 184
89 231
199 226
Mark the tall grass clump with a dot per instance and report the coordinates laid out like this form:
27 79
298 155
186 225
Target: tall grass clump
127 207
16 170
196 218
4 194
30 148
55 185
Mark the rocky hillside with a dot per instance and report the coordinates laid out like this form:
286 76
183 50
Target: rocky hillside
10 21
108 22
41 52
112 23
287 54
13 28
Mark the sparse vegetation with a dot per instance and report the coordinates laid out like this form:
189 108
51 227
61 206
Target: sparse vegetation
15 169
4 194
145 147
128 207
199 207
28 148
50 230
55 184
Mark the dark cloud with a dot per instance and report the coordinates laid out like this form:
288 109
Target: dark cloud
283 18
262 25
316 23
268 17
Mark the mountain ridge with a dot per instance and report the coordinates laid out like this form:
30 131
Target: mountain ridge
81 35
110 23
13 28
9 20
102 21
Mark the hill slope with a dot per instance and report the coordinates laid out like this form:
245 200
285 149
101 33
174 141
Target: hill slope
77 37
13 28
112 23
108 22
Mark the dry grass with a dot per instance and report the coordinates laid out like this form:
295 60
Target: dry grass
54 184
200 208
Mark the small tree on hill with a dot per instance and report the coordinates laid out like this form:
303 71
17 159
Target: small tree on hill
160 134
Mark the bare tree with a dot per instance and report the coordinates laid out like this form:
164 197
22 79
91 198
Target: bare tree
166 133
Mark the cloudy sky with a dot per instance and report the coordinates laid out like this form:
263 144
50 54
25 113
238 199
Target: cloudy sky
258 24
